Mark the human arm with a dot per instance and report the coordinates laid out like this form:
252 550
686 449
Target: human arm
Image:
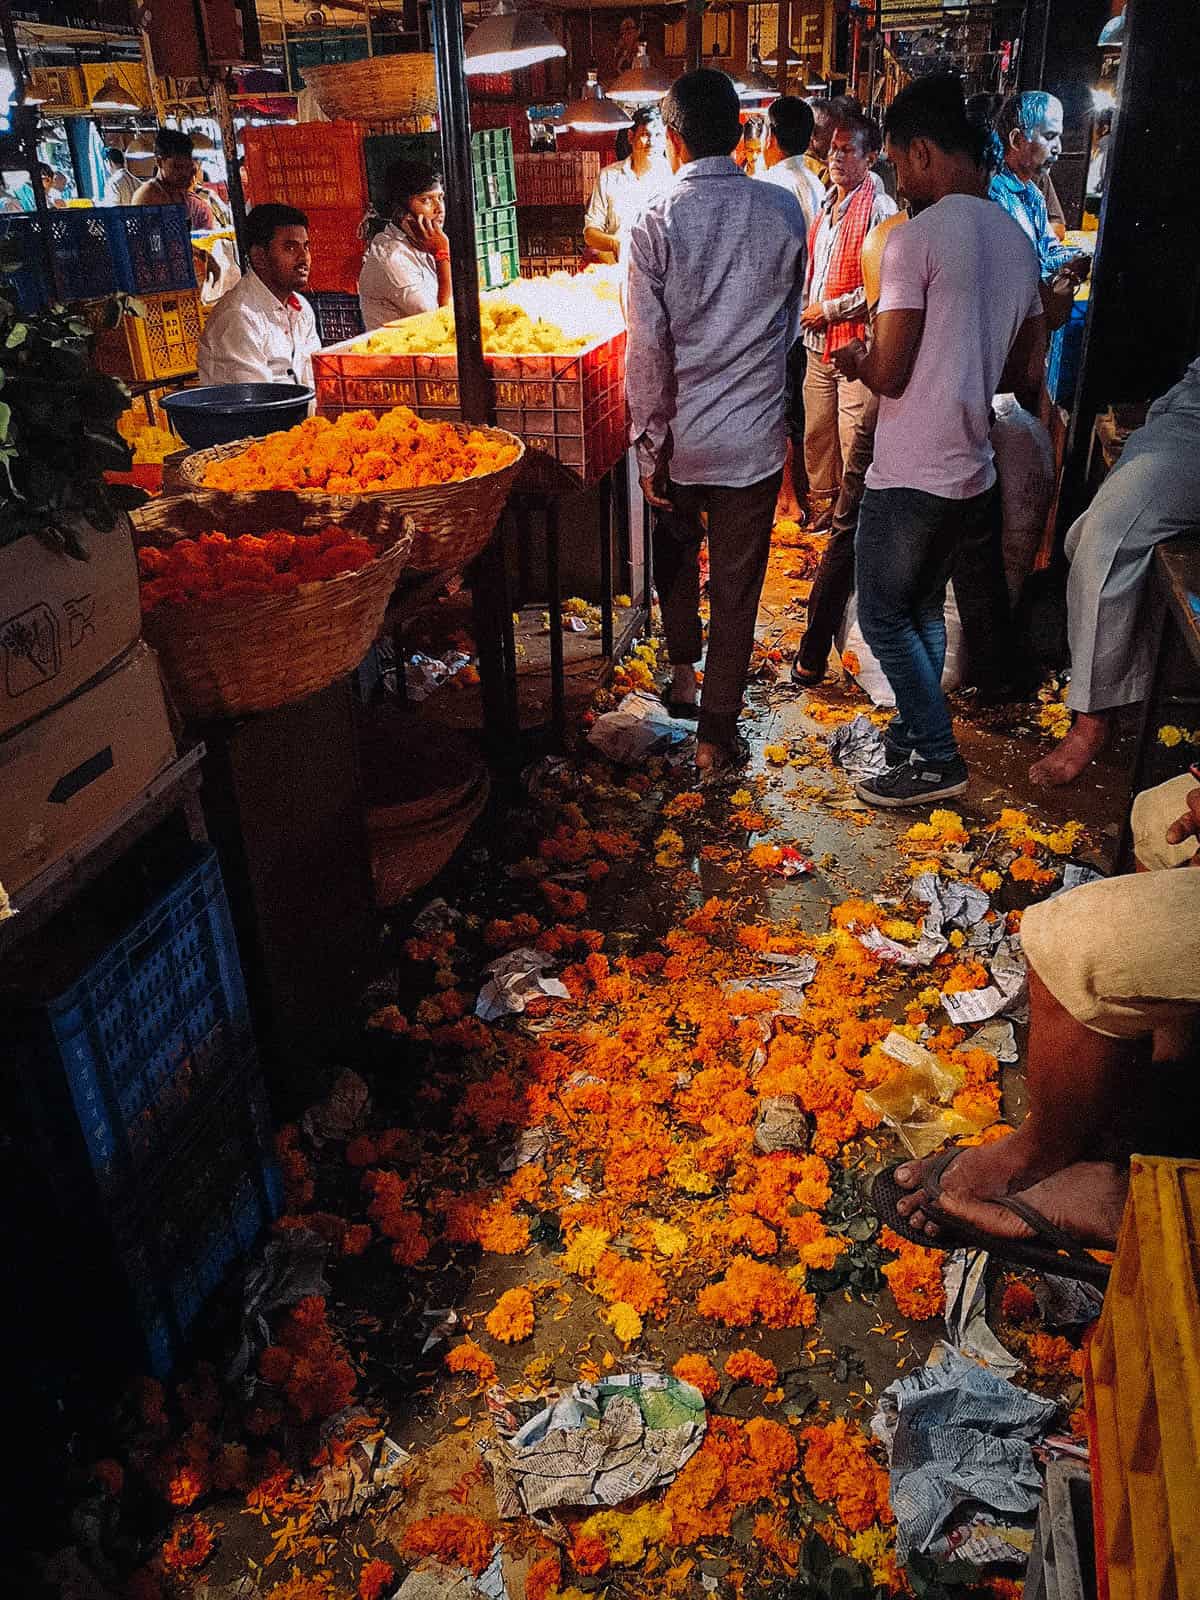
887 366
1026 362
1188 825
600 223
649 360
426 235
232 349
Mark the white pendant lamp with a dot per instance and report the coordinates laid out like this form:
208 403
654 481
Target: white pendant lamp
594 112
793 60
202 144
142 144
508 40
754 84
110 96
1112 34
643 85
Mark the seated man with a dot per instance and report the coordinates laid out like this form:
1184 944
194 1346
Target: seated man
1152 494
263 330
1114 985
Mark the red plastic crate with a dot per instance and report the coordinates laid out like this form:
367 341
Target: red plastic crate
545 266
569 407
312 165
564 179
526 85
486 114
337 250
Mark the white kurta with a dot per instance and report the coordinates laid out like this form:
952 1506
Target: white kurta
795 175
397 280
253 337
620 196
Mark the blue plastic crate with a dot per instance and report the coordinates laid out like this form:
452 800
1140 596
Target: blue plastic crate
27 286
151 248
339 316
148 1030
83 259
180 1239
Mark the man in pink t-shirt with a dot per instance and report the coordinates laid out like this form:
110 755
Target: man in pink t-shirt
958 310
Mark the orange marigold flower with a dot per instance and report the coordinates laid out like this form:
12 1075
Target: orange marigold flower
1019 1303
543 1578
840 1467
511 1318
470 1357
457 1540
634 1282
274 1364
502 1231
756 1369
1050 1355
109 1474
589 1554
699 1372
752 1292
189 1546
915 1279
375 1580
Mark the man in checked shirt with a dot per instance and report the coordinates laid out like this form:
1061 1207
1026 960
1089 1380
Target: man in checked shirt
716 269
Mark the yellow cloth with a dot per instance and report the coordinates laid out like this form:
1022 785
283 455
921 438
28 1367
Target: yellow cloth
1123 955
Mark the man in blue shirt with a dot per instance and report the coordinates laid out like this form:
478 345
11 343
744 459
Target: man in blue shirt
716 271
1029 127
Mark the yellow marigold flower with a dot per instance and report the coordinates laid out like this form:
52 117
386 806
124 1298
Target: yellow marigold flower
624 1321
990 881
669 1241
1170 735
584 1251
740 798
776 754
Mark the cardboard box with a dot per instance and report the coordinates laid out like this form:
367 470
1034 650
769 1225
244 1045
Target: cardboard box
65 775
62 621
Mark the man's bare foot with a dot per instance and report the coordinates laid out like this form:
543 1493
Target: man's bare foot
976 1173
709 757
1085 1201
788 510
684 688
1088 736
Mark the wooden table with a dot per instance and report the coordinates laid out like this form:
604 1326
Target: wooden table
1174 697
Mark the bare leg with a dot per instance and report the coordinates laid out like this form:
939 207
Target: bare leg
1088 736
1085 1200
787 505
683 684
1074 1078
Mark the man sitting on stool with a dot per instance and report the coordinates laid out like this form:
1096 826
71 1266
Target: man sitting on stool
263 330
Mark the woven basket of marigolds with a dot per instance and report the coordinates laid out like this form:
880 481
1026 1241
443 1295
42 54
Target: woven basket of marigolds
268 606
451 478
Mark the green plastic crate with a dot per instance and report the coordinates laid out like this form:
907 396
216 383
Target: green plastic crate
497 246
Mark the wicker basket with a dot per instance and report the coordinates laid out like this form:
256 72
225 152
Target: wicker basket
259 652
379 87
453 521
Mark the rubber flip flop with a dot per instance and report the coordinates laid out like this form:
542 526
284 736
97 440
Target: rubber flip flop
1051 1250
681 710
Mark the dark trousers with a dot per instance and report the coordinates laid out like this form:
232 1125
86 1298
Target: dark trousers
739 542
834 582
908 546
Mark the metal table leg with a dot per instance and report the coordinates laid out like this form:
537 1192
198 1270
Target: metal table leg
492 625
558 687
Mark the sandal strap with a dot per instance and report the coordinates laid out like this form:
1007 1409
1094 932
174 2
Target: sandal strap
1043 1228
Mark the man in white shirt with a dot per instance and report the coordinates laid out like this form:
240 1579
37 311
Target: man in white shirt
959 310
263 330
625 188
120 185
406 269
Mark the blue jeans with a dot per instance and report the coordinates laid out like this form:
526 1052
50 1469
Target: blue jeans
905 551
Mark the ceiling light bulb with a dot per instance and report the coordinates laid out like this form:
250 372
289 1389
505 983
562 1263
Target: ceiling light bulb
508 40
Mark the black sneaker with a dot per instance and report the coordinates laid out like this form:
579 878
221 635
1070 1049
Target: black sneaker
914 783
897 754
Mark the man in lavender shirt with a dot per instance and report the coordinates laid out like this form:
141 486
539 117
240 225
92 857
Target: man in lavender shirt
716 272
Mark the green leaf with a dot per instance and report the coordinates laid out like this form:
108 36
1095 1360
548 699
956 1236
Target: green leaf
5 418
16 336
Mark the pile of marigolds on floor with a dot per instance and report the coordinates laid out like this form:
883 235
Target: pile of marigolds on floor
635 1223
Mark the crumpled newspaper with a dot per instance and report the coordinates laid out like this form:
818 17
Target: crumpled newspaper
433 1580
639 728
530 1145
964 1274
436 917
342 1112
516 979
789 983
857 747
957 1434
598 1444
372 1471
780 1124
1005 995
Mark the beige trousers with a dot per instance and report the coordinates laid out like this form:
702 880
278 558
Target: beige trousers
833 406
1123 955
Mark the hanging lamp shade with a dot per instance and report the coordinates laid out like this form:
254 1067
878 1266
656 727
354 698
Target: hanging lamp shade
202 144
110 96
508 40
754 84
142 144
594 112
643 84
1112 34
793 60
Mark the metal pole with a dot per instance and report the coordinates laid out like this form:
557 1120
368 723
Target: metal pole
695 35
783 45
454 116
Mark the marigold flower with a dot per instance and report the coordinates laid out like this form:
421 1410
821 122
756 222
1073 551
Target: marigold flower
1018 1303
634 1282
502 1231
753 1368
624 1321
839 1467
699 1372
915 1279
189 1546
461 1541
470 1357
752 1292
376 1580
511 1319
109 1474
589 1554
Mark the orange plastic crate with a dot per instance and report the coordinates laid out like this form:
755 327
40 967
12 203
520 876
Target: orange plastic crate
570 407
315 164
563 179
1143 1392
